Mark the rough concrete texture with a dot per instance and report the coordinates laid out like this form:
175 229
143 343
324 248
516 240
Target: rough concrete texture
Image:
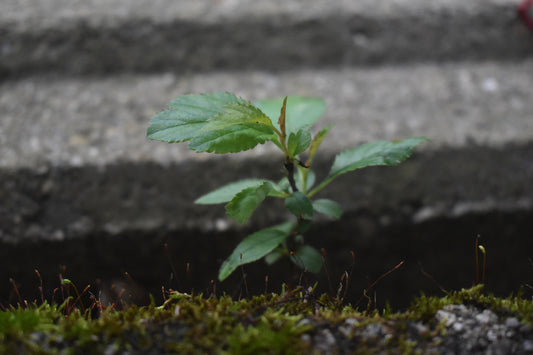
183 36
81 79
52 11
52 125
72 121
55 122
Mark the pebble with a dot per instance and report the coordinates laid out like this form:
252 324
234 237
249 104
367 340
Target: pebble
486 317
468 330
528 345
512 322
472 331
325 342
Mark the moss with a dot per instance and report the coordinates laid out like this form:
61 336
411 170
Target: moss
273 333
293 322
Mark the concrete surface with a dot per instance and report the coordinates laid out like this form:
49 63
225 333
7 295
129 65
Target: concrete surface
54 120
52 125
102 37
80 80
73 121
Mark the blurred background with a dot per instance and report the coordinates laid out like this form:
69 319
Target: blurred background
84 194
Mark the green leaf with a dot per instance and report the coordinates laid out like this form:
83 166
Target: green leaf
375 153
317 140
309 176
237 113
254 247
370 154
284 186
304 225
299 141
227 192
231 139
245 202
328 207
299 205
218 122
281 120
300 112
307 258
273 256
187 114
281 189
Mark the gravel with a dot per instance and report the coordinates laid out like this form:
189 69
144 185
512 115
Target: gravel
455 329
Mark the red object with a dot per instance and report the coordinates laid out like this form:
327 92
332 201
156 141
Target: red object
526 12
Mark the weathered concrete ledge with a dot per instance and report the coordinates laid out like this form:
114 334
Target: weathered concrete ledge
65 203
76 160
94 38
102 222
81 186
51 121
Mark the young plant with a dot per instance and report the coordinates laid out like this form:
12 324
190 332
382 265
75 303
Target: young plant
224 123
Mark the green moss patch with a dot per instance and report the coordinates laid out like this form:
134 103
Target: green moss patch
291 323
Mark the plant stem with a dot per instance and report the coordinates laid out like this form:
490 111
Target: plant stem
319 187
289 161
303 177
289 165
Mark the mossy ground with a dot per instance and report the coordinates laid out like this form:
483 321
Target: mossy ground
272 323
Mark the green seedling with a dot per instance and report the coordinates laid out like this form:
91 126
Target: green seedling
224 123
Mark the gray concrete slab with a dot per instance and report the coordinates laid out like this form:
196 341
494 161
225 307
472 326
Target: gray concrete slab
67 121
82 78
100 37
53 11
75 160
80 185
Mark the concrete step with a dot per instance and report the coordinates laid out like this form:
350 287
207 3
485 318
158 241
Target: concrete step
81 186
98 121
75 159
97 37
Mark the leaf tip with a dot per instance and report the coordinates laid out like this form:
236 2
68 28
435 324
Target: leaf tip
281 120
